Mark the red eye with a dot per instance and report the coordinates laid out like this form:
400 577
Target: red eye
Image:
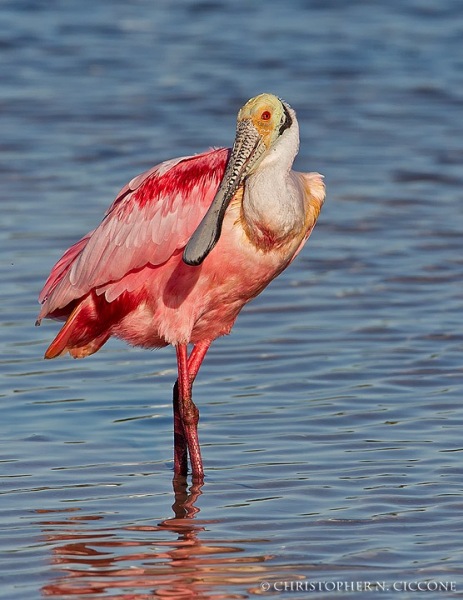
266 115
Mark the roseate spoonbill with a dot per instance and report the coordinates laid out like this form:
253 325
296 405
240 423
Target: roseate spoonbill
183 248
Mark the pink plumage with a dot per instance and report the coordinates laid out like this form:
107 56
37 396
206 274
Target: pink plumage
183 248
151 217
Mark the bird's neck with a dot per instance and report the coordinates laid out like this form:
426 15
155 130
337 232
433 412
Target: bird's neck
272 211
272 208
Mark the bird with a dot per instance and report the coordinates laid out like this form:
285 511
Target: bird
180 251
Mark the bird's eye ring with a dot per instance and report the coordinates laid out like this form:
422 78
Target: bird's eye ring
266 115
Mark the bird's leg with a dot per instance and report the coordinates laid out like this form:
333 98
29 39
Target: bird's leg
196 358
188 412
180 447
186 415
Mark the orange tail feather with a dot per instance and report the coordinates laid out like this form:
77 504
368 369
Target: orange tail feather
59 344
69 340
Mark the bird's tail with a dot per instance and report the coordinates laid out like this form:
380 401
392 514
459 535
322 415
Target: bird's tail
75 336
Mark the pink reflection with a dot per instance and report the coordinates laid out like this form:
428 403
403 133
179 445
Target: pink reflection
173 559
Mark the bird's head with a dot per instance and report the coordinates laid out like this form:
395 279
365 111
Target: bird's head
264 124
265 117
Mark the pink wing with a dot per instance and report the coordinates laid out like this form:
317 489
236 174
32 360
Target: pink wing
151 218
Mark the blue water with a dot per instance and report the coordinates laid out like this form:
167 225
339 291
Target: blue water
331 418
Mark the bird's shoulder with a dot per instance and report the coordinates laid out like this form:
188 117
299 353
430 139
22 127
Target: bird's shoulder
314 192
174 179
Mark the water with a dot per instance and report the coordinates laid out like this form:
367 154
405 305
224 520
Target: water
331 418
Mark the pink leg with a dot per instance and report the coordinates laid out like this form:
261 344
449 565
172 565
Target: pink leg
196 358
186 415
180 447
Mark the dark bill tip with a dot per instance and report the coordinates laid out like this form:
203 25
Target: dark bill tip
206 235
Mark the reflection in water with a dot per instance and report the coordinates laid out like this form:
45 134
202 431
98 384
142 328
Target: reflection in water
173 559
